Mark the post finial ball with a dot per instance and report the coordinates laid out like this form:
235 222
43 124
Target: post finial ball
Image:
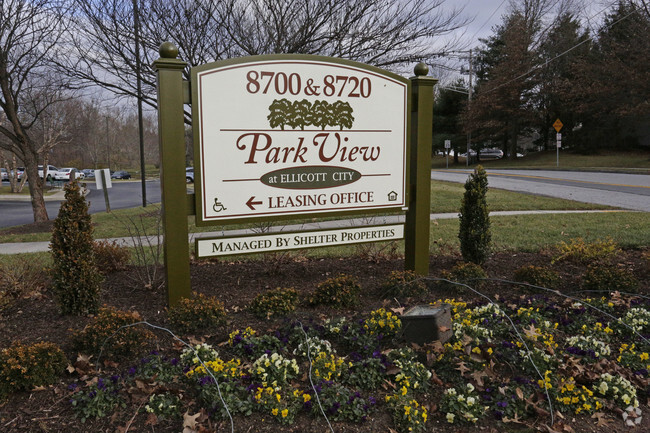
168 50
421 69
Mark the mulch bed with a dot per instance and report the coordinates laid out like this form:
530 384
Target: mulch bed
236 283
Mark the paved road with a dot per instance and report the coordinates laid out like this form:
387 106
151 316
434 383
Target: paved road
121 196
627 191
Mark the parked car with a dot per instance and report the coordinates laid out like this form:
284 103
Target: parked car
65 173
89 173
491 154
51 171
4 174
189 174
121 174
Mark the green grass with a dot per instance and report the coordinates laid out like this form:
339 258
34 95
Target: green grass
530 233
534 233
446 197
637 161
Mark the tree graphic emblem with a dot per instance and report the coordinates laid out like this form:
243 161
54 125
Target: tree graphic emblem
302 113
342 115
279 113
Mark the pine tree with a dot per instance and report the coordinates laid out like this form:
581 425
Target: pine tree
75 278
474 233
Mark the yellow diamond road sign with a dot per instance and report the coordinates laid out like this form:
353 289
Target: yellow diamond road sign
558 125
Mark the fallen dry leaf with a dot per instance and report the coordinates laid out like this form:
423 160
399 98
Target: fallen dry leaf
602 419
190 421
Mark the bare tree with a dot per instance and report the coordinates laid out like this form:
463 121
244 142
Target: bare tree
29 34
379 32
387 33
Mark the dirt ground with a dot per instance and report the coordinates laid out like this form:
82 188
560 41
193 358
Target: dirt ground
236 283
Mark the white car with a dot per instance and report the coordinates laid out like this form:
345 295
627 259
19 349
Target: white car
64 174
51 171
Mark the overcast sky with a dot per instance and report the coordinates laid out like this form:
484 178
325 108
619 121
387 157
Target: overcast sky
488 13
484 13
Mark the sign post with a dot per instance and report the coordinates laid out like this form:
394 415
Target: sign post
447 147
558 126
103 181
418 223
171 129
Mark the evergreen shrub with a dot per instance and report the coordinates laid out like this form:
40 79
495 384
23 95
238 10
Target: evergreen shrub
580 252
275 302
537 276
23 367
403 284
197 313
105 333
609 278
466 273
340 291
474 232
75 277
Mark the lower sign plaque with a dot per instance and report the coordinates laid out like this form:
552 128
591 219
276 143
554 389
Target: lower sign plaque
281 241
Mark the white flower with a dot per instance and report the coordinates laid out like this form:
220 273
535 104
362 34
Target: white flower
603 388
470 387
470 401
450 417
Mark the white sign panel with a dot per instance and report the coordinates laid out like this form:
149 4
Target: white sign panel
292 135
98 178
289 241
447 144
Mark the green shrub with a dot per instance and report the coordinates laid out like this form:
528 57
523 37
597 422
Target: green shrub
341 291
110 256
404 284
580 252
275 302
104 334
474 231
198 313
537 276
22 367
75 278
466 273
609 278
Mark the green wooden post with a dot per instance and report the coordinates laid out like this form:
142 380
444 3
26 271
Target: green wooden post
171 130
417 227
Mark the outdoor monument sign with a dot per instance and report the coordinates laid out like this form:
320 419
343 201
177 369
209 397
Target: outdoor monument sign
290 136
285 135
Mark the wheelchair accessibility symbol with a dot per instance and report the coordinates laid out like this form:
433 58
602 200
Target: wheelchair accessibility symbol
218 206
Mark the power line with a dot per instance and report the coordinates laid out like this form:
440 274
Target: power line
488 20
534 68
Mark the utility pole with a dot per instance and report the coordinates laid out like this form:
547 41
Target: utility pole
469 100
108 147
136 34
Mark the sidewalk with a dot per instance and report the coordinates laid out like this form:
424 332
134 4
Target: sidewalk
35 247
57 196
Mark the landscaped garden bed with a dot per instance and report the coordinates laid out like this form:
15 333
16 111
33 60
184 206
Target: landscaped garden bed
341 316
